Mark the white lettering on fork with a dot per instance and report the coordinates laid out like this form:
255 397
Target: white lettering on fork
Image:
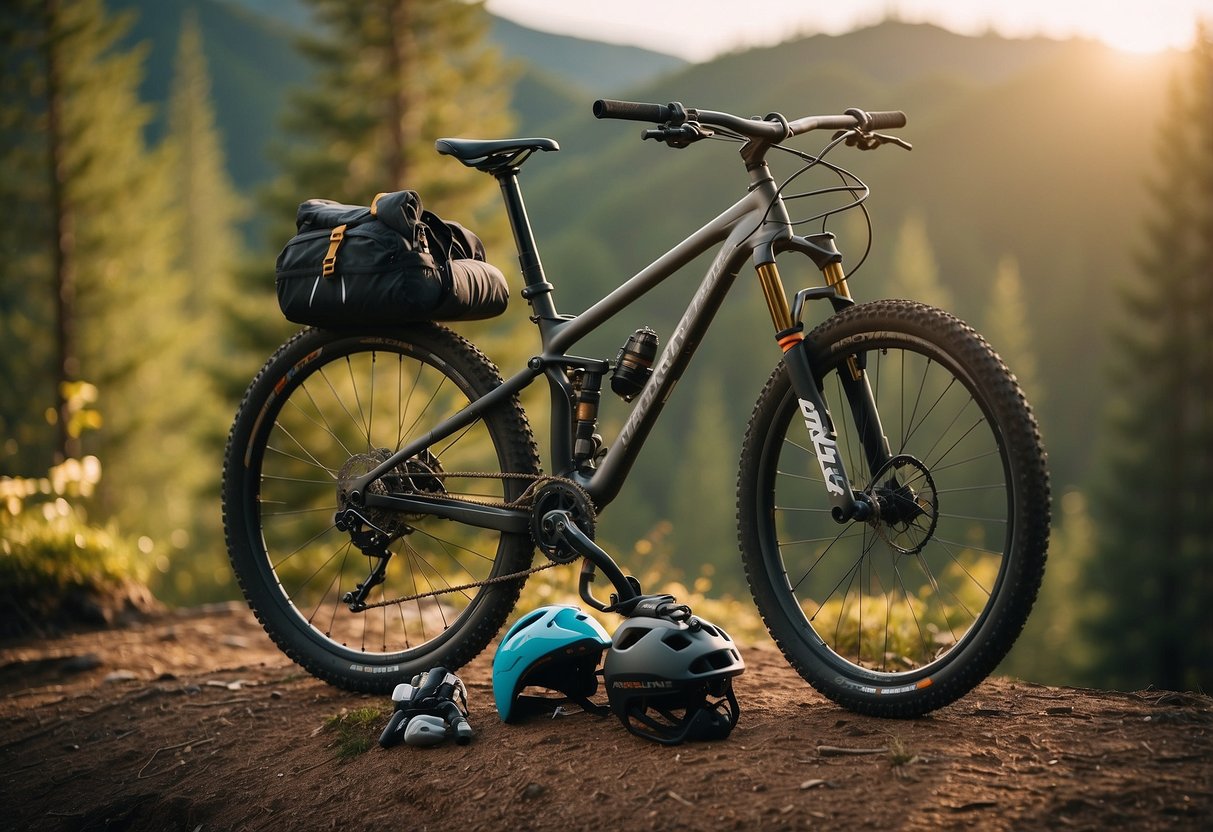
824 446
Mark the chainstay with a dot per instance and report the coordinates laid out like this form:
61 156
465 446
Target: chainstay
523 501
526 500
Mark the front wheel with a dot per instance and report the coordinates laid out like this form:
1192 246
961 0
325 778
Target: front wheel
327 408
908 610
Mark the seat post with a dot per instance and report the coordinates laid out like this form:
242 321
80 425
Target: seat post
537 290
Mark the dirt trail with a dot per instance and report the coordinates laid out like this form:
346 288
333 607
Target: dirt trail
194 721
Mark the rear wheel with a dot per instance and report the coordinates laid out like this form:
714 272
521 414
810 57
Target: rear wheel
330 406
909 610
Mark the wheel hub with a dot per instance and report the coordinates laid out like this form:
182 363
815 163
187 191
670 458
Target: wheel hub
906 505
422 473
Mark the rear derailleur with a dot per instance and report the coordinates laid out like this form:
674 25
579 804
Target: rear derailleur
373 530
373 543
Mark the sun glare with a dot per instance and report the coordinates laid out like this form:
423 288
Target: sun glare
1143 35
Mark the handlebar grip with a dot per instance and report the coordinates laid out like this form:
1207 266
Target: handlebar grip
632 111
886 120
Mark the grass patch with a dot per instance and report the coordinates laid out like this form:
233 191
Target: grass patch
900 754
355 729
57 569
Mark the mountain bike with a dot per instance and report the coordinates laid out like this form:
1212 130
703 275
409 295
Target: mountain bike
384 497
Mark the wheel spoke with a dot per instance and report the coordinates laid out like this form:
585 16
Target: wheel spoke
872 612
332 408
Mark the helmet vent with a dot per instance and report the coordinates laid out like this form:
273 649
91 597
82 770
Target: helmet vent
630 637
677 640
716 660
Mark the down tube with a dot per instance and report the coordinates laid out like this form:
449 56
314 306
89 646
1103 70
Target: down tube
604 485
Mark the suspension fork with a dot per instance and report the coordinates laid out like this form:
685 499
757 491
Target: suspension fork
789 333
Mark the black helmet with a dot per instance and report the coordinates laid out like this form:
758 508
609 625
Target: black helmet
671 681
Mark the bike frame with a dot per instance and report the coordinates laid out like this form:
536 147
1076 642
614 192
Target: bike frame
756 227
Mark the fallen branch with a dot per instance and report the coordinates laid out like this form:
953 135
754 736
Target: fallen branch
188 743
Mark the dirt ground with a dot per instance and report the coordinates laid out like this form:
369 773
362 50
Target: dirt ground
194 721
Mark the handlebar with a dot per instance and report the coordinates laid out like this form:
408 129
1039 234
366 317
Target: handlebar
773 127
633 111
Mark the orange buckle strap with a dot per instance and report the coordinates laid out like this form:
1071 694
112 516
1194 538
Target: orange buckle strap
329 264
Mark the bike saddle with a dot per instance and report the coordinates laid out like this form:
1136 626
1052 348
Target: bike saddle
491 154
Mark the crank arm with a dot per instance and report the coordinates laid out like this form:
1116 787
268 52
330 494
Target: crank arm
564 530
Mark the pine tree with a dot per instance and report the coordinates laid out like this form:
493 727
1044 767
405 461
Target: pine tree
391 77
207 216
213 210
28 377
1054 648
97 266
701 505
1155 504
915 273
1008 328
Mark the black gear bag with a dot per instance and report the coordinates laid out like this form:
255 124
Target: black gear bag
391 263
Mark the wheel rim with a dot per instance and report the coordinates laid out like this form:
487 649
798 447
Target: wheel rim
890 601
338 409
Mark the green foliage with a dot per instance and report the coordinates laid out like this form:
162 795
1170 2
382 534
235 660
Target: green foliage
51 556
655 563
1054 647
56 549
1154 506
915 272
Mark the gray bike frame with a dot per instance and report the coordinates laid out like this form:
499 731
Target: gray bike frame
756 226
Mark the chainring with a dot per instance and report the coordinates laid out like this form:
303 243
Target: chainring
560 495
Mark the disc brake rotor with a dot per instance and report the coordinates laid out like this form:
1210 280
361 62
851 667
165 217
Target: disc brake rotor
907 504
422 473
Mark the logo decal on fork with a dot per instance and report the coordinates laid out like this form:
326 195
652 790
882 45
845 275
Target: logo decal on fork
824 446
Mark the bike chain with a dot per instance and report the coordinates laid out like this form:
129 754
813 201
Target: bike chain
521 502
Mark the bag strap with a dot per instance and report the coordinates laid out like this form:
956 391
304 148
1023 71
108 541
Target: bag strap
329 264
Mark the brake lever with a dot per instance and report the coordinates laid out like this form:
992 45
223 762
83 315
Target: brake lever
871 141
679 136
900 142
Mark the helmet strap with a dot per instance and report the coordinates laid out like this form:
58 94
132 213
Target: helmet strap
526 706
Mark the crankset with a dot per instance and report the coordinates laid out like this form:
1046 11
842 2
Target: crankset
566 496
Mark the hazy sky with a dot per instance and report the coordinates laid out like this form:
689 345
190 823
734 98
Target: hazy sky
699 29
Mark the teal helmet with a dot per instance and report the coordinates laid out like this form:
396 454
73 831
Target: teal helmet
554 647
